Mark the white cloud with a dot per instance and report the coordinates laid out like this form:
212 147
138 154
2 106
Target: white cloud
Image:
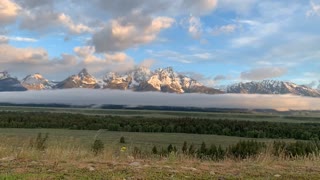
8 11
17 38
199 7
238 6
127 32
118 97
73 28
195 27
263 73
226 29
256 33
314 9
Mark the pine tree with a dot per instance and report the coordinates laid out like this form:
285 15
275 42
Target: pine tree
191 150
154 150
122 140
170 148
185 147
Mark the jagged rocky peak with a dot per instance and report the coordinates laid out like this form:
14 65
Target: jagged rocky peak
163 80
272 87
4 75
117 81
82 80
8 83
36 82
141 74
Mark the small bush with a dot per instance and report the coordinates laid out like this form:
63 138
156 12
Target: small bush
40 143
154 150
245 149
136 152
122 140
185 147
97 147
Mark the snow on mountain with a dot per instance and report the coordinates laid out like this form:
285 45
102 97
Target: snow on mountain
36 82
4 75
272 87
8 83
163 80
82 80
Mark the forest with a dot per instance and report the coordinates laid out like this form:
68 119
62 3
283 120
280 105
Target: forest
227 127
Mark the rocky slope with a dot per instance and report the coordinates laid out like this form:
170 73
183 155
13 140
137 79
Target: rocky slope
8 83
36 82
272 87
82 80
162 80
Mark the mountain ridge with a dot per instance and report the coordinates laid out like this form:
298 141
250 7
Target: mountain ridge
143 79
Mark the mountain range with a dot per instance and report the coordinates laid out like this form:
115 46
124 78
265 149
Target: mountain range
143 79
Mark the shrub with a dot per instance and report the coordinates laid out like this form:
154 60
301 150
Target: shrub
154 150
245 149
185 147
122 140
40 143
97 147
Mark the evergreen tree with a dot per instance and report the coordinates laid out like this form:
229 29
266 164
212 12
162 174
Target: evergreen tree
122 140
191 149
185 147
154 150
170 148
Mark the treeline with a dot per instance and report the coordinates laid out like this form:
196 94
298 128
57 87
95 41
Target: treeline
244 149
240 128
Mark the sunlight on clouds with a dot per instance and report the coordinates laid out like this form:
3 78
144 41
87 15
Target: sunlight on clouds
8 11
126 32
74 28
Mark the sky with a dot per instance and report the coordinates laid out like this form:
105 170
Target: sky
217 42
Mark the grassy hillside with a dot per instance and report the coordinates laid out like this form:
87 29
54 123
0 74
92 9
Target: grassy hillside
68 156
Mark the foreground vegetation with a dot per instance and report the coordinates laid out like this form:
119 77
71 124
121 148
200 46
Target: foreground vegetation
100 144
46 157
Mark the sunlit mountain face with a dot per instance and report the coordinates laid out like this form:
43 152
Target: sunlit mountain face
220 44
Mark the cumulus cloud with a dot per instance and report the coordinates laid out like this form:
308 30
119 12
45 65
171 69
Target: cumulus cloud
147 63
43 20
263 73
131 31
8 11
314 9
22 61
117 97
73 27
226 29
240 7
195 27
199 7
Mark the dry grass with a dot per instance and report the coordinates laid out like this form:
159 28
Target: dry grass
67 159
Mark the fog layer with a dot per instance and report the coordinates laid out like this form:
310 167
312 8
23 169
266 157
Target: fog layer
118 97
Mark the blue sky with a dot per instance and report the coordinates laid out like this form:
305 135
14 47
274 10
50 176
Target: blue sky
217 42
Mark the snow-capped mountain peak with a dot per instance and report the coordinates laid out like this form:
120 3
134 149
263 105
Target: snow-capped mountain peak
4 75
36 82
272 87
82 80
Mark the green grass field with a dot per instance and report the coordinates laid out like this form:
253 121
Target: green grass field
289 117
84 138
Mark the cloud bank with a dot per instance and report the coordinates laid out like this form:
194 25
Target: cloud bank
116 97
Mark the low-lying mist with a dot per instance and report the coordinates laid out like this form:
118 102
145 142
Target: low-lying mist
129 98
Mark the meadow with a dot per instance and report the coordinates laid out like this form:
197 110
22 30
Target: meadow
68 152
